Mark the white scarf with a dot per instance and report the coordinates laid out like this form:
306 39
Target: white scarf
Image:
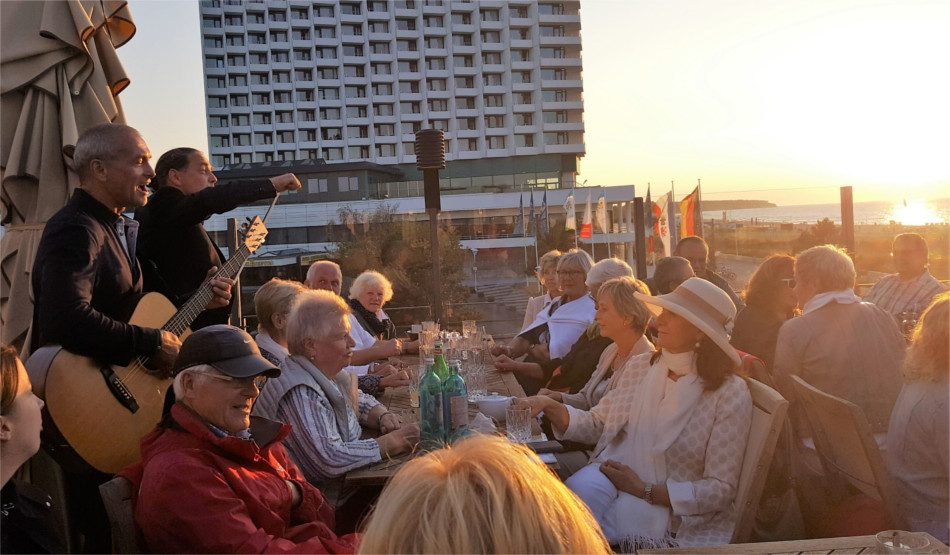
657 417
566 324
845 296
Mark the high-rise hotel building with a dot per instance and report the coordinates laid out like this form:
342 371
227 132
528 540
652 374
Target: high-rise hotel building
336 90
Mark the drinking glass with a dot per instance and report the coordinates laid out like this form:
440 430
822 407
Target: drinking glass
469 328
475 382
415 372
899 541
518 424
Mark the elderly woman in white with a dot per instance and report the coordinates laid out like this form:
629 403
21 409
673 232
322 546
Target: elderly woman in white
672 432
322 403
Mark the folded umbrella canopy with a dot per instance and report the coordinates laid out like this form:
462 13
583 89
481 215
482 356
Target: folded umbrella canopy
59 75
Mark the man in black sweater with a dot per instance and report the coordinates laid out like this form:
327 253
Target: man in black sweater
176 253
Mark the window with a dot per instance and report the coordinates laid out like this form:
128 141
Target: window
524 140
411 127
408 66
323 11
211 22
522 98
382 109
519 34
236 60
405 4
327 73
491 36
355 91
304 96
280 57
220 141
215 82
217 102
378 26
350 9
432 21
461 19
410 108
303 75
329 94
282 97
278 36
551 30
354 71
256 38
385 150
353 50
468 144
489 15
326 53
462 39
233 20
559 138
306 115
377 6
285 136
262 118
555 117
333 154
405 24
496 142
404 45
491 58
494 100
302 55
436 84
381 68
408 86
557 74
357 152
382 89
351 183
493 122
258 58
324 32
260 99
556 95
409 149
438 105
219 160
301 34
213 42
242 158
277 16
435 42
316 185
352 30
263 139
235 40
520 12
520 76
465 82
558 52
329 113
435 63
379 47
491 79
285 155
357 112
520 55
524 119
237 81
214 61
284 117
466 124
218 121
256 18
242 139
463 61
332 134
551 9
299 13
464 102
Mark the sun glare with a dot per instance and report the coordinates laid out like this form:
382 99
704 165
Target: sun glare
915 212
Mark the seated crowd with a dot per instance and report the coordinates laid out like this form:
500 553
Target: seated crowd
655 431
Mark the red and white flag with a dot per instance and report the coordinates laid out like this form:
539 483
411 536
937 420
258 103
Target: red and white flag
661 217
586 228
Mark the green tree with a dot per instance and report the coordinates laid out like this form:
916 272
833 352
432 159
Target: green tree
557 238
824 232
398 247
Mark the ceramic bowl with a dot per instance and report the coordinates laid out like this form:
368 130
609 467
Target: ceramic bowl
494 406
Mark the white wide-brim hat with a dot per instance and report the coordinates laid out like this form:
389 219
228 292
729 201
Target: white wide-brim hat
704 305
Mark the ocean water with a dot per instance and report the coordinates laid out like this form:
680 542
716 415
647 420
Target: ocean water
915 212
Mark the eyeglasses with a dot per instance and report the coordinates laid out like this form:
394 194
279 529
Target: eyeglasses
240 383
569 273
789 282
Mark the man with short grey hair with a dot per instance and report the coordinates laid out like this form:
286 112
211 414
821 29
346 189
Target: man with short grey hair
911 289
213 478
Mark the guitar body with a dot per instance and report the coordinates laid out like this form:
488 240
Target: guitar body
95 424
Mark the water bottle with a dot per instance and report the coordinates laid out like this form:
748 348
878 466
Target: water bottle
431 413
454 404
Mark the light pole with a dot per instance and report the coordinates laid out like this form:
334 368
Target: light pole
475 267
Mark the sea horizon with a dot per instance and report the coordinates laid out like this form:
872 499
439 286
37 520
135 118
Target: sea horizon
909 212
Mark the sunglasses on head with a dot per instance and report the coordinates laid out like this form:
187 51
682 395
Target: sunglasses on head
789 282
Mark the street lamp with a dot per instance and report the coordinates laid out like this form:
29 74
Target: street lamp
475 267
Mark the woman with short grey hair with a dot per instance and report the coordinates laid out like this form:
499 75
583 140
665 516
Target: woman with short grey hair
369 292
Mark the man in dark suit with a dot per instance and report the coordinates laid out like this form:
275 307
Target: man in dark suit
176 253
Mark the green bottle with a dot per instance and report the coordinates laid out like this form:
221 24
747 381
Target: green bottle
454 404
440 368
431 414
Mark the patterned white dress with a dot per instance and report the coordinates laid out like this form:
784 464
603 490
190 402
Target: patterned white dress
703 463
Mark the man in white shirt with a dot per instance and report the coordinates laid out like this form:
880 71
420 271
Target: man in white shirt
911 289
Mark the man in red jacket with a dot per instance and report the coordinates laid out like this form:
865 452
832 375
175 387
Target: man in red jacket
214 479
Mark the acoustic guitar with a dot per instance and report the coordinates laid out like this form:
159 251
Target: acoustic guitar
101 412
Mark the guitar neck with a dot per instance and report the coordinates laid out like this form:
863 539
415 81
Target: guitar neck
199 300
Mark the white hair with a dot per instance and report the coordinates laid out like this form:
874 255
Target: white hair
198 370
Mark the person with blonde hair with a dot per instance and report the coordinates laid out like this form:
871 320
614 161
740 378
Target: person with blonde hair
481 495
546 272
918 438
272 304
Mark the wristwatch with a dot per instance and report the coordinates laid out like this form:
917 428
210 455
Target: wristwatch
648 493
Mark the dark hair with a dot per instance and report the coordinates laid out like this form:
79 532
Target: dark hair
712 364
691 239
9 377
766 283
668 269
915 239
174 159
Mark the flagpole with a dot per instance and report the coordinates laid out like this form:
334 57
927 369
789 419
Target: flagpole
674 229
699 208
607 222
524 232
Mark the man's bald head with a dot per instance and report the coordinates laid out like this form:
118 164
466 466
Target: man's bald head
325 275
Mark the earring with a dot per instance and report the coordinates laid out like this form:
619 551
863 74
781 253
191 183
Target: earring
698 344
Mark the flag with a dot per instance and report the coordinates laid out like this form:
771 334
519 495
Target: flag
688 214
662 225
648 221
586 227
519 223
545 225
571 222
533 219
602 213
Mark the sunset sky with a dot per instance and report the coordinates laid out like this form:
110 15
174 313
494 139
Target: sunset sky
781 100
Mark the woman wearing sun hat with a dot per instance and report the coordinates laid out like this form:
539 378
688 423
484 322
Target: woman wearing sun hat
672 433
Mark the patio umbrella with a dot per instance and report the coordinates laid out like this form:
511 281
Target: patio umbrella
59 75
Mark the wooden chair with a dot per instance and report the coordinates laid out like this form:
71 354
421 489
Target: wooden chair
117 498
846 446
768 417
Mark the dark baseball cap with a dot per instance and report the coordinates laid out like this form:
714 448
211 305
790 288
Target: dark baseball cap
230 350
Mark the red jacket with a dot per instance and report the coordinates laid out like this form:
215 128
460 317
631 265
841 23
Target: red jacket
197 492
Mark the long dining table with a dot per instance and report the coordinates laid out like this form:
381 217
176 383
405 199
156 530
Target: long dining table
396 399
836 546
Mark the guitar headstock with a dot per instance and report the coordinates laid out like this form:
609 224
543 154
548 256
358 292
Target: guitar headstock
254 233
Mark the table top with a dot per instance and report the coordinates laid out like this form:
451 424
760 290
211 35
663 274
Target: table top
852 544
396 399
